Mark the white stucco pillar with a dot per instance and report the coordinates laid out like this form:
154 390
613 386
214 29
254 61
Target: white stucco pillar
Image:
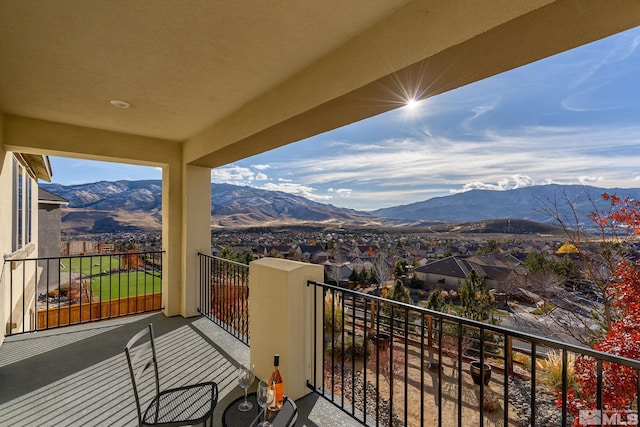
172 274
186 218
196 234
281 320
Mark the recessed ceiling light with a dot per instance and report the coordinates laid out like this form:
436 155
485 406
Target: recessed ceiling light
119 103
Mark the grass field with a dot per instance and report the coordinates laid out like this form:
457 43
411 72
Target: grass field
107 283
114 286
90 266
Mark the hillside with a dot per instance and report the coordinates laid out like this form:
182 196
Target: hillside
104 207
529 203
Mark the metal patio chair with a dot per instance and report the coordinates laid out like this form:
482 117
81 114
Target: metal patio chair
187 405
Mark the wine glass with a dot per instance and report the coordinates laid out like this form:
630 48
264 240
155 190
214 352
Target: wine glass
265 398
245 379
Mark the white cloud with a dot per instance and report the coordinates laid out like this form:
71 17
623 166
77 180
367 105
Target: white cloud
341 192
625 48
232 174
546 154
510 183
589 179
481 110
261 177
522 181
260 167
297 189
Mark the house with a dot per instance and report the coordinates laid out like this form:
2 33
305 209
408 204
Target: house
269 250
496 270
186 90
19 234
49 223
339 272
365 251
313 253
49 236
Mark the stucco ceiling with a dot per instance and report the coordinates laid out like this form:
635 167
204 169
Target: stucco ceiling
227 79
182 65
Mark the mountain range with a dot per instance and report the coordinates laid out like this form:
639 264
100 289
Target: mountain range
534 203
136 206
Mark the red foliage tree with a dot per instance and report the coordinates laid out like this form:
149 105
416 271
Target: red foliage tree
131 261
619 383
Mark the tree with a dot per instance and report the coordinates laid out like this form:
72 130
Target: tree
131 261
401 267
227 253
381 269
491 248
589 259
568 248
354 276
436 301
619 383
334 270
399 293
273 253
475 300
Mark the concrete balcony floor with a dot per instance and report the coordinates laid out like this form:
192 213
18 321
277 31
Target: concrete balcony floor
79 376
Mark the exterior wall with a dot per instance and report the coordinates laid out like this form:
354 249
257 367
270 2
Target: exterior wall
49 236
5 226
13 297
443 282
49 232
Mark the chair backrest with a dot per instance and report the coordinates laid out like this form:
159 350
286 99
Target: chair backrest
140 358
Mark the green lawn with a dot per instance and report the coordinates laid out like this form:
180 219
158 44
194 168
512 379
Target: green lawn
114 285
91 265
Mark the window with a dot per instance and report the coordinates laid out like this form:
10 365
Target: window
29 203
22 207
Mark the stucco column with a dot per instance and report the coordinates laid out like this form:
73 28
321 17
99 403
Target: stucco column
5 225
196 234
281 320
172 282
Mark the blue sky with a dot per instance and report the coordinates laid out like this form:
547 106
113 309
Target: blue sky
569 119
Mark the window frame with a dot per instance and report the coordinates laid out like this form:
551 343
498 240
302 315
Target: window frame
22 207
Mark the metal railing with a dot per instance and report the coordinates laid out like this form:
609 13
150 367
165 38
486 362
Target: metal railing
46 293
390 363
224 293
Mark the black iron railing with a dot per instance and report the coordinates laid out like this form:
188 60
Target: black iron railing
389 363
52 292
224 293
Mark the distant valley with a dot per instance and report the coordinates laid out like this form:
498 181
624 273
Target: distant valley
104 207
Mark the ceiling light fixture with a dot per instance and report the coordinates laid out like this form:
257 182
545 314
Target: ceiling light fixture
119 103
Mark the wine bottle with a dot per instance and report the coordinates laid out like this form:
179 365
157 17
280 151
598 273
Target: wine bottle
276 384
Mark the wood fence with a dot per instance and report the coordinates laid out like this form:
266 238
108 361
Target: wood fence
89 312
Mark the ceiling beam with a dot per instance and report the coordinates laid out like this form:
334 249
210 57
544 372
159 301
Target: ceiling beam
33 136
420 50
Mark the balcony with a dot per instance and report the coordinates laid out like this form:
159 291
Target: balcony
53 292
388 363
372 360
78 375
